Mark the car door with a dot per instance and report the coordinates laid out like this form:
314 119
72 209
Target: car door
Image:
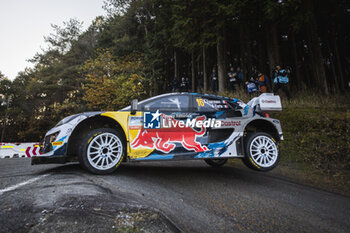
220 109
164 129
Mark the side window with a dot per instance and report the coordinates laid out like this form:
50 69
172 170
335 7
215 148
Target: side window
209 104
168 103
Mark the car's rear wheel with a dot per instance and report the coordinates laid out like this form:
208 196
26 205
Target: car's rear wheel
261 151
102 151
216 162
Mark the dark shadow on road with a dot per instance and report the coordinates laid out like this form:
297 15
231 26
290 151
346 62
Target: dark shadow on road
166 171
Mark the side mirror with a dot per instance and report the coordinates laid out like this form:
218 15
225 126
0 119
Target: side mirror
133 106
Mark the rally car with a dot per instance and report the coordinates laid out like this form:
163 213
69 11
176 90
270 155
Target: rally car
173 126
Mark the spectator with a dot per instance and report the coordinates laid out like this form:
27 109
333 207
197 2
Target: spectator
263 82
240 77
214 81
168 88
183 85
189 84
175 85
281 81
251 86
232 79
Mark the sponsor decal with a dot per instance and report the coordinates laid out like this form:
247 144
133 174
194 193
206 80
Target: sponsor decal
57 143
268 101
164 139
230 123
183 114
135 122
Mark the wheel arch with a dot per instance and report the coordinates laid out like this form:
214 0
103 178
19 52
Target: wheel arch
262 125
89 124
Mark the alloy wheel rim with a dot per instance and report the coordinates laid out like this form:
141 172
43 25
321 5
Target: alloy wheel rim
104 151
263 151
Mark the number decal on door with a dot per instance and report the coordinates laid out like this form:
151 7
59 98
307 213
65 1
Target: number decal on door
200 102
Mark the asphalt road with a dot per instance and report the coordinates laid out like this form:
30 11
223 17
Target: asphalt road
189 194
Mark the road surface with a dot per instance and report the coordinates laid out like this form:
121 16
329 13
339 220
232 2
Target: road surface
189 196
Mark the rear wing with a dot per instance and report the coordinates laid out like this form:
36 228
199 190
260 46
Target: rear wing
266 102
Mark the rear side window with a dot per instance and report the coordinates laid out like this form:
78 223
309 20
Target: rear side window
210 104
173 103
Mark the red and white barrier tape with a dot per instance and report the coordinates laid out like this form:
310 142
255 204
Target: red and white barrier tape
15 150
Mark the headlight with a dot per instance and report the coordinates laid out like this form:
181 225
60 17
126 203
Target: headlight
52 137
47 144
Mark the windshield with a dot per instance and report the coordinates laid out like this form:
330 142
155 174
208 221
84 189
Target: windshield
128 108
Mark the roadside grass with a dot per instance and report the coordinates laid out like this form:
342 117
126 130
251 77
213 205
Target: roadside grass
316 146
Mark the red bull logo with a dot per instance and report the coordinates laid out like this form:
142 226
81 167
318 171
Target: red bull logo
164 139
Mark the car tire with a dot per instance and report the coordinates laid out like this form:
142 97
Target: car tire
216 162
102 150
261 151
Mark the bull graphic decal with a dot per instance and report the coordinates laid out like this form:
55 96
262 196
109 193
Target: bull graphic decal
164 139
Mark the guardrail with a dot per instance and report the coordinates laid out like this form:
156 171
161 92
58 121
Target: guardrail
18 150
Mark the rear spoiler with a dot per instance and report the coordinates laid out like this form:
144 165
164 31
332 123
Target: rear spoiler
266 102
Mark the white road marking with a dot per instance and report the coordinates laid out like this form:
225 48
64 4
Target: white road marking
16 186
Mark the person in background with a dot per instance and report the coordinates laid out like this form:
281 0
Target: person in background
252 89
281 81
175 85
214 81
232 79
168 88
200 81
183 85
189 84
240 77
263 82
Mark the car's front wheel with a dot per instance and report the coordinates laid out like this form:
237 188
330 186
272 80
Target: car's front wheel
261 151
102 151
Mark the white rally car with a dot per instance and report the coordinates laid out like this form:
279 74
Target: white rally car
174 126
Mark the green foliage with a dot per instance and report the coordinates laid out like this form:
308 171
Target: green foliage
130 54
318 137
111 82
316 132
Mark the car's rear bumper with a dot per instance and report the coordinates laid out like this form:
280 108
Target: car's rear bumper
49 159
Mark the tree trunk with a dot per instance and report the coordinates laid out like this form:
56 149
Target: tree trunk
316 52
194 83
205 75
243 60
248 51
333 69
340 71
221 64
261 60
271 57
272 45
275 43
176 65
298 79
